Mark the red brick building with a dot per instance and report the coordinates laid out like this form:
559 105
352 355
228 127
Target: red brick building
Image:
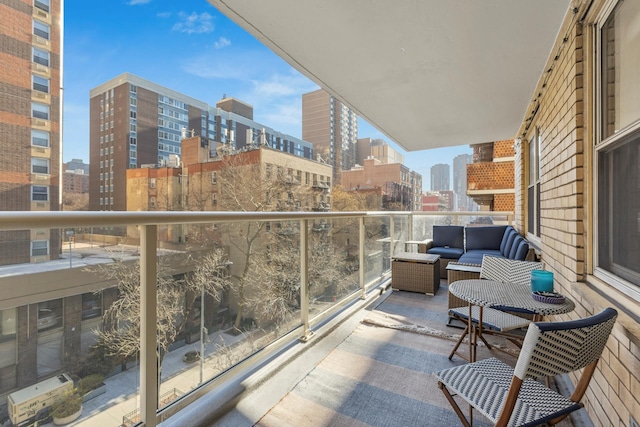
30 116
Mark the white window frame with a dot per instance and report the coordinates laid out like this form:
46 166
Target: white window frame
40 243
38 164
40 135
33 193
607 143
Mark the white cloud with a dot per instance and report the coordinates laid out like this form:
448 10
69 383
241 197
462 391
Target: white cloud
163 14
222 42
137 2
194 23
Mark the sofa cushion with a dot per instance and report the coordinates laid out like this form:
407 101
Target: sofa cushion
492 252
489 237
471 258
451 236
507 241
523 250
514 248
449 253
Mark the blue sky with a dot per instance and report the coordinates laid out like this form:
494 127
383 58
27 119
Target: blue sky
190 47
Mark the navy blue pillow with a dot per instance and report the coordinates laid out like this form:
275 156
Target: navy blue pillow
523 250
448 235
514 248
509 242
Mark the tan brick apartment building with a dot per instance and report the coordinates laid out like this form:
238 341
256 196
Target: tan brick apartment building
30 122
332 128
577 169
401 187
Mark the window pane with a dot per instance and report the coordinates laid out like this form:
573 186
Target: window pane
41 30
620 64
42 4
39 193
40 84
39 248
39 165
41 57
619 209
40 138
40 111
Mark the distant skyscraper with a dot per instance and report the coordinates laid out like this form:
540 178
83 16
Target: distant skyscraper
440 180
332 128
30 123
463 202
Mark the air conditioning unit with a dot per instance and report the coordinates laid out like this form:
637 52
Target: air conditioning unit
38 122
41 177
39 150
39 94
40 40
41 13
41 205
40 68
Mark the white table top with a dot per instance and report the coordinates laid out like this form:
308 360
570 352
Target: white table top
506 296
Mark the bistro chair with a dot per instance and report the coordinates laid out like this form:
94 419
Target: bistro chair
515 397
495 321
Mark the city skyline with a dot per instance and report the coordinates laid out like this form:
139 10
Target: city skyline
195 51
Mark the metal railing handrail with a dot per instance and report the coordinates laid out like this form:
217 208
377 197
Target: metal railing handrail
20 220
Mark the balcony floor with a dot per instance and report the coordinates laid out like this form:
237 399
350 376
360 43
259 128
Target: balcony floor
373 370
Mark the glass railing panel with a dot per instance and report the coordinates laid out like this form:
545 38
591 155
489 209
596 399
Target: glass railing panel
376 248
333 262
401 232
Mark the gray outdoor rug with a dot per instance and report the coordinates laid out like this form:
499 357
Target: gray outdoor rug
380 375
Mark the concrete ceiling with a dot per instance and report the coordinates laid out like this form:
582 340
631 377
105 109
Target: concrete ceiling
426 73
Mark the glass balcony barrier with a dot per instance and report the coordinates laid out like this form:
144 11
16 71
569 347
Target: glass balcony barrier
164 307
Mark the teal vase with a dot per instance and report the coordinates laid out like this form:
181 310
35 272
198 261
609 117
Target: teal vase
541 281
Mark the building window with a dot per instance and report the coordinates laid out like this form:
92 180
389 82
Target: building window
214 178
40 138
152 183
533 184
39 111
50 314
39 165
39 247
42 5
152 202
214 199
91 305
41 30
40 84
618 150
39 193
41 57
133 140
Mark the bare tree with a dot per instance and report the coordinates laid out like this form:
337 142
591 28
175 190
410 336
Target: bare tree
121 335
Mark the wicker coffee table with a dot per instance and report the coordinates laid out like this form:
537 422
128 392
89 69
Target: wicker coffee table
415 272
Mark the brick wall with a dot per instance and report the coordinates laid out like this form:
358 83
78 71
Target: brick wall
490 176
503 148
566 226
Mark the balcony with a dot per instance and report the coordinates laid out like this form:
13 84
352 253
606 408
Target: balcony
299 292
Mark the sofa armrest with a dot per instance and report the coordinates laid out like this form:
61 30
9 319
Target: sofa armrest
425 246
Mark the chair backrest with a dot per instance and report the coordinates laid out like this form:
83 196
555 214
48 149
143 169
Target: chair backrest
507 270
553 348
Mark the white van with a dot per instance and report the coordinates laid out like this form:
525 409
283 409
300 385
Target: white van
24 405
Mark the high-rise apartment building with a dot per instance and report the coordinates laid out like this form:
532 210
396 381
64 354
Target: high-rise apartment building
491 177
332 128
378 149
440 179
135 122
462 201
30 123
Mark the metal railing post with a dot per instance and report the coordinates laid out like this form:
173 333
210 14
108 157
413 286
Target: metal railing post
361 257
149 378
410 227
304 280
392 235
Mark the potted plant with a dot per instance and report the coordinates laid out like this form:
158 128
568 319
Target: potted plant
68 409
191 356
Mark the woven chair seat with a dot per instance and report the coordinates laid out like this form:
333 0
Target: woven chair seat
496 320
485 385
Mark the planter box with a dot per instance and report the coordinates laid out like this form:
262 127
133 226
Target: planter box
95 392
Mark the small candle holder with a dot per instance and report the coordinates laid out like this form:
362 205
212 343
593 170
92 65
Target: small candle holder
541 281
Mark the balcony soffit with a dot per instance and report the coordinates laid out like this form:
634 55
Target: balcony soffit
426 73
